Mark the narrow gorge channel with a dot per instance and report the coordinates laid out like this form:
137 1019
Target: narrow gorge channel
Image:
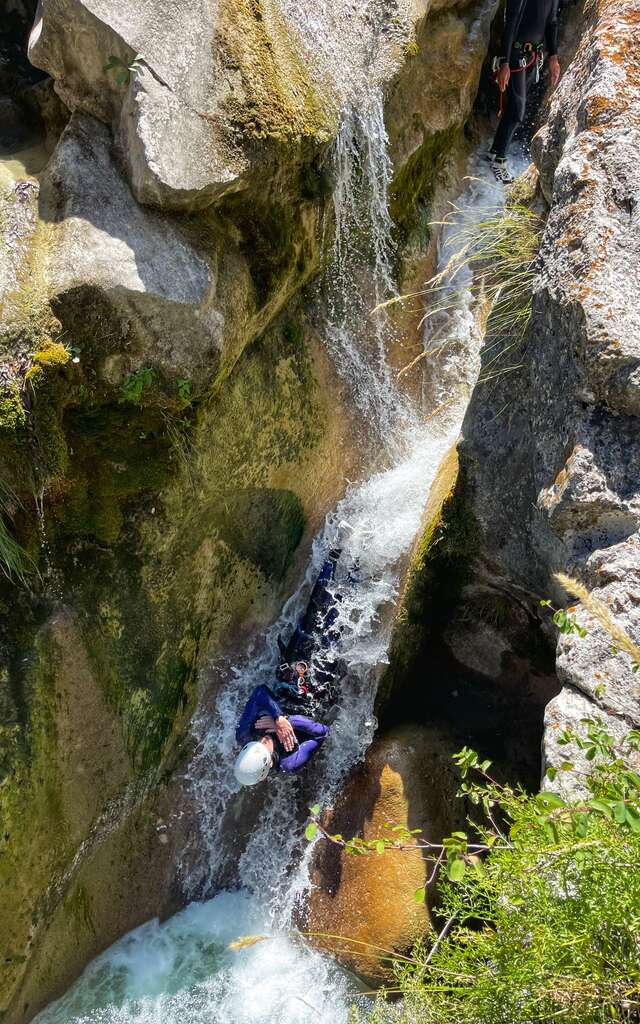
183 969
220 362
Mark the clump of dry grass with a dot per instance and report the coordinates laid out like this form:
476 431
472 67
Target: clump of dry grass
245 941
599 610
501 252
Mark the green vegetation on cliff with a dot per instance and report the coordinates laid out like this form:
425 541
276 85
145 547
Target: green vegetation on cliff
171 522
255 40
545 926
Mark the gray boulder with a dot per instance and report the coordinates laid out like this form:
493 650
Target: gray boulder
590 664
551 452
200 93
568 711
126 279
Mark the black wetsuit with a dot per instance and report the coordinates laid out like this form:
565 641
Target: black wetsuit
526 21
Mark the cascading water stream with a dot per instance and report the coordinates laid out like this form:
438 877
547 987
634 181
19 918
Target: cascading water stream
182 970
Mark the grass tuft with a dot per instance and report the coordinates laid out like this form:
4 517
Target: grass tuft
501 252
599 610
15 563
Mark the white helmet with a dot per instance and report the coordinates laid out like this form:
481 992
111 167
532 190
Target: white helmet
253 764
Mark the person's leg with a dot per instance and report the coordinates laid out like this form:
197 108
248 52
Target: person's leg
516 103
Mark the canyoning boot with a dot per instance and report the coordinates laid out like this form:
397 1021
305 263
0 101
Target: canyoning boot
500 170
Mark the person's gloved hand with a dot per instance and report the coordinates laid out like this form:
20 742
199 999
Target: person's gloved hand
265 724
285 733
504 74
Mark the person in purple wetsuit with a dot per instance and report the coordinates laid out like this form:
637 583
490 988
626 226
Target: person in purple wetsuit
273 740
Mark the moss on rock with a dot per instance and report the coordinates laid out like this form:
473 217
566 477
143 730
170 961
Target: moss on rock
12 412
414 184
284 102
165 536
440 567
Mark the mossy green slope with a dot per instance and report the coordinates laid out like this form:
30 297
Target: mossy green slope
166 530
440 567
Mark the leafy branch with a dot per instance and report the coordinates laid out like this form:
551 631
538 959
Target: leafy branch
615 795
565 621
547 924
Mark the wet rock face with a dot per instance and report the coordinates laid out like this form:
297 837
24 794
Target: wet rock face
550 453
139 263
429 102
169 408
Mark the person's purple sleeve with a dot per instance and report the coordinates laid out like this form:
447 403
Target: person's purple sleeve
261 702
309 727
301 757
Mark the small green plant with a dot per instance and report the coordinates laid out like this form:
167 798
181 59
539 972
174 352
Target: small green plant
123 71
184 388
136 384
566 622
543 925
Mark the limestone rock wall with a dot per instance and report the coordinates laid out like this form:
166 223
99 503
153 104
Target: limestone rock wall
550 451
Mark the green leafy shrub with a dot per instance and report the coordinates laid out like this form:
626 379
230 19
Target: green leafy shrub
544 925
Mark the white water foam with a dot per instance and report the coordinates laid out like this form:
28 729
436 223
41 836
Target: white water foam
183 972
353 46
360 277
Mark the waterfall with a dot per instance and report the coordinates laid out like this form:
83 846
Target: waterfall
182 970
360 274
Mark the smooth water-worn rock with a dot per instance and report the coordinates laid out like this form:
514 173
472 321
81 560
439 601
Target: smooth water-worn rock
429 102
375 894
195 93
172 429
133 261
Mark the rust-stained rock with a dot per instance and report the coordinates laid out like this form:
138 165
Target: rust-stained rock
587 154
371 899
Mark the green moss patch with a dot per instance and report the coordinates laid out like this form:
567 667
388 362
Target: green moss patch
12 412
280 99
273 241
120 453
414 184
262 525
439 570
